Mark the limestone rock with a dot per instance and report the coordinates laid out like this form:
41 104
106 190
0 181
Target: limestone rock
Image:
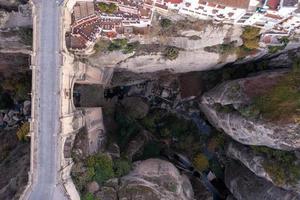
152 179
155 179
93 187
247 130
245 185
254 163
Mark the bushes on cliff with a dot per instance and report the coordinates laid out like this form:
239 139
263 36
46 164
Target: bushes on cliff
171 53
281 165
23 132
250 37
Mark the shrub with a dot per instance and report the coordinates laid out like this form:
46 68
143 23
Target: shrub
88 196
117 44
171 53
107 8
277 172
250 37
200 162
121 167
165 23
23 132
25 33
130 47
100 168
101 45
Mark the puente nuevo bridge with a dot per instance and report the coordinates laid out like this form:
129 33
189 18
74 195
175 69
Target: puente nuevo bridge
55 120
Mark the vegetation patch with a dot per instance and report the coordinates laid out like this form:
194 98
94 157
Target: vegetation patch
274 49
250 37
165 23
25 33
226 48
101 45
116 45
23 132
282 102
100 168
107 7
200 162
171 53
281 165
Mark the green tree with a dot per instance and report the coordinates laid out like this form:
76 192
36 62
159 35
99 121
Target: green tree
165 23
100 167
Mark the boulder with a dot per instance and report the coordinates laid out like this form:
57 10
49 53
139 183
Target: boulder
151 179
93 187
155 179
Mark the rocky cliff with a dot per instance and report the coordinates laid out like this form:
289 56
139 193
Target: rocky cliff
260 164
229 108
245 185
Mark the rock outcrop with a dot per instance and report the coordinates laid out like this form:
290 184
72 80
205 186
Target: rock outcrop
255 163
245 185
222 106
152 179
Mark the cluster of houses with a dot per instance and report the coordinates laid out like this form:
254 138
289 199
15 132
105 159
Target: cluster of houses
276 17
90 23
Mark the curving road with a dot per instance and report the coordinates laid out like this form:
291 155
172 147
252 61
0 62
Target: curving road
46 182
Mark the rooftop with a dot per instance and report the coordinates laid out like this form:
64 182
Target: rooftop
230 3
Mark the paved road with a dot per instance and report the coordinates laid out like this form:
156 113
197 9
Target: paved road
46 186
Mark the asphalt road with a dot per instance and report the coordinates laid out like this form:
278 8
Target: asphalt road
46 186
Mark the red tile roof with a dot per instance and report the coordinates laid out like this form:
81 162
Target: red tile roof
174 1
273 4
232 3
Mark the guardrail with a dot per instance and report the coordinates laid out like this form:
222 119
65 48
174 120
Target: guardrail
34 106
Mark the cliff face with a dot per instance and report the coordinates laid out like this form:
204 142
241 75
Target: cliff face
193 55
228 108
